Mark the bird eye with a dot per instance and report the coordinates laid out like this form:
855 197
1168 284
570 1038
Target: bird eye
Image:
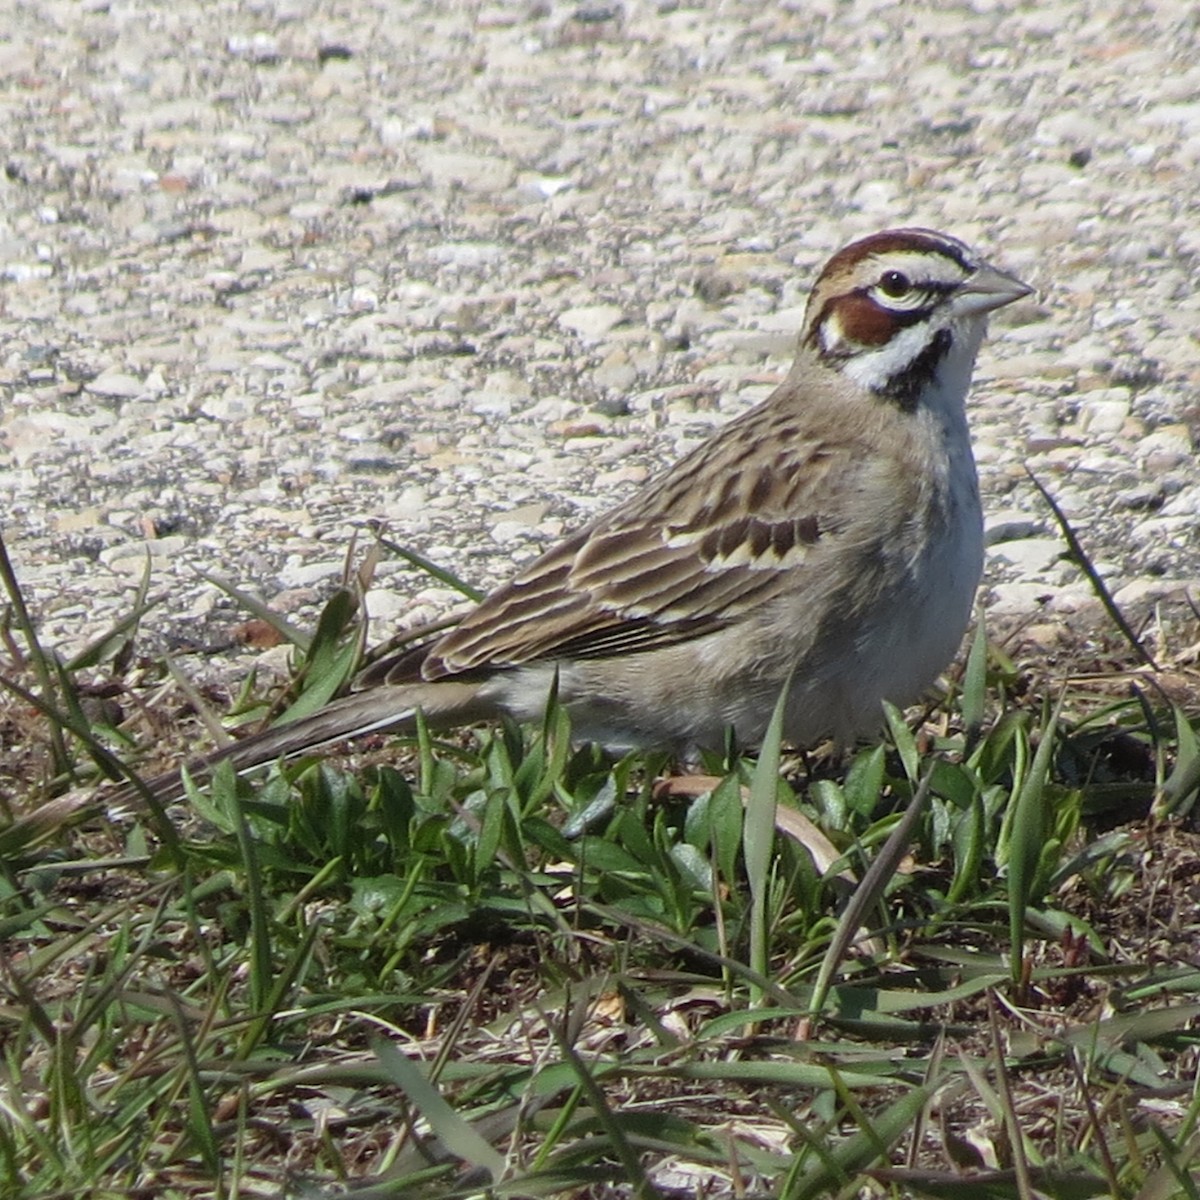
895 284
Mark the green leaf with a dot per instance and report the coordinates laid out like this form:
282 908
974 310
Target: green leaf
1028 835
758 833
694 866
726 816
1180 789
836 1166
456 1134
974 685
903 740
968 842
864 780
330 661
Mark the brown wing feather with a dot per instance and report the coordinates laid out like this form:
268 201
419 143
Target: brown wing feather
668 564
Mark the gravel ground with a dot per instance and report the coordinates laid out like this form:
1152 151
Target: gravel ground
276 271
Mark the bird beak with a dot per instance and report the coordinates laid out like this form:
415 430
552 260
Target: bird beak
987 289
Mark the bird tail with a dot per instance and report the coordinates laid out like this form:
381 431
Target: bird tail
378 710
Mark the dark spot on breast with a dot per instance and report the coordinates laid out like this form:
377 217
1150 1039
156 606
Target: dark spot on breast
905 386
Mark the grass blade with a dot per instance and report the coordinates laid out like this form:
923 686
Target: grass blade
868 893
1178 792
758 836
456 1134
329 660
263 611
1079 557
974 684
39 658
1027 834
861 1149
441 574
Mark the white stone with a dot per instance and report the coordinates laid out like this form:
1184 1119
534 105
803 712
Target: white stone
116 384
1031 555
1007 525
591 321
1018 599
1105 411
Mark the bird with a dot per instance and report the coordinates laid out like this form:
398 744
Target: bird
828 540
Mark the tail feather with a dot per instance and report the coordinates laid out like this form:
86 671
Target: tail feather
381 709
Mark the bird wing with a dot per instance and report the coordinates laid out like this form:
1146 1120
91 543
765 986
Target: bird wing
672 563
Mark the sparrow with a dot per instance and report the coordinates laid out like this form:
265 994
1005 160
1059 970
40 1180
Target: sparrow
829 539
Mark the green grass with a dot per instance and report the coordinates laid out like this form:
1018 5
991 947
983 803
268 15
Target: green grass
499 965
